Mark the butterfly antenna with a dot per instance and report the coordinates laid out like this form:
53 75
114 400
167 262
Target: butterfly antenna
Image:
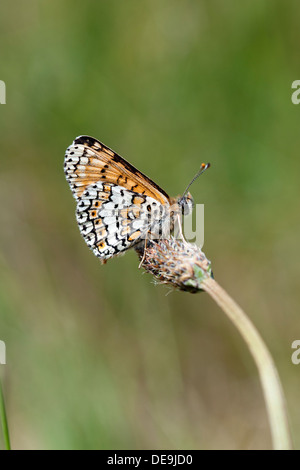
203 167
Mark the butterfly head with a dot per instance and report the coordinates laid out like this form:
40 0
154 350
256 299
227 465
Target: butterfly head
186 204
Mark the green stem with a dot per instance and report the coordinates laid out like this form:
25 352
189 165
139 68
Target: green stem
3 419
272 389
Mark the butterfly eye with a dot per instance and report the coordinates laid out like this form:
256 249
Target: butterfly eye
187 204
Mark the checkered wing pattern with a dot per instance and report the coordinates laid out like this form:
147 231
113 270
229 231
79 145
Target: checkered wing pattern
115 202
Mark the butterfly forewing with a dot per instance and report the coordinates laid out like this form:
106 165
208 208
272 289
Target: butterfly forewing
88 161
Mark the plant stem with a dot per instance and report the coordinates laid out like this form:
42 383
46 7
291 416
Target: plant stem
272 389
3 419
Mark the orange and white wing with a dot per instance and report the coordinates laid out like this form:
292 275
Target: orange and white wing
116 204
112 219
88 161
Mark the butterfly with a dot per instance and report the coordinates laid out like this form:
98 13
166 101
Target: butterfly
118 207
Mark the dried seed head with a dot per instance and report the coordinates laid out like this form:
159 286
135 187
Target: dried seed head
175 262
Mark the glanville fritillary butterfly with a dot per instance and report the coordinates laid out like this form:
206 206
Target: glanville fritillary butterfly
118 207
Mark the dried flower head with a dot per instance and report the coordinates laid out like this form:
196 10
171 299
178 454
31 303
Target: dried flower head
175 262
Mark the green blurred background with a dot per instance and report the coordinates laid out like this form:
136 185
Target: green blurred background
97 356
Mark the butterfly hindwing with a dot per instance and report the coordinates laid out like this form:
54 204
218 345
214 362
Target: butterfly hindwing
112 219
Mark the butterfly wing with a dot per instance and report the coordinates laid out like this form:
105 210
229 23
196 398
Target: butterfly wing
114 200
88 161
112 219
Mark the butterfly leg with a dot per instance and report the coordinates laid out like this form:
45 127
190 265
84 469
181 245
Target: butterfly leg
180 228
144 254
